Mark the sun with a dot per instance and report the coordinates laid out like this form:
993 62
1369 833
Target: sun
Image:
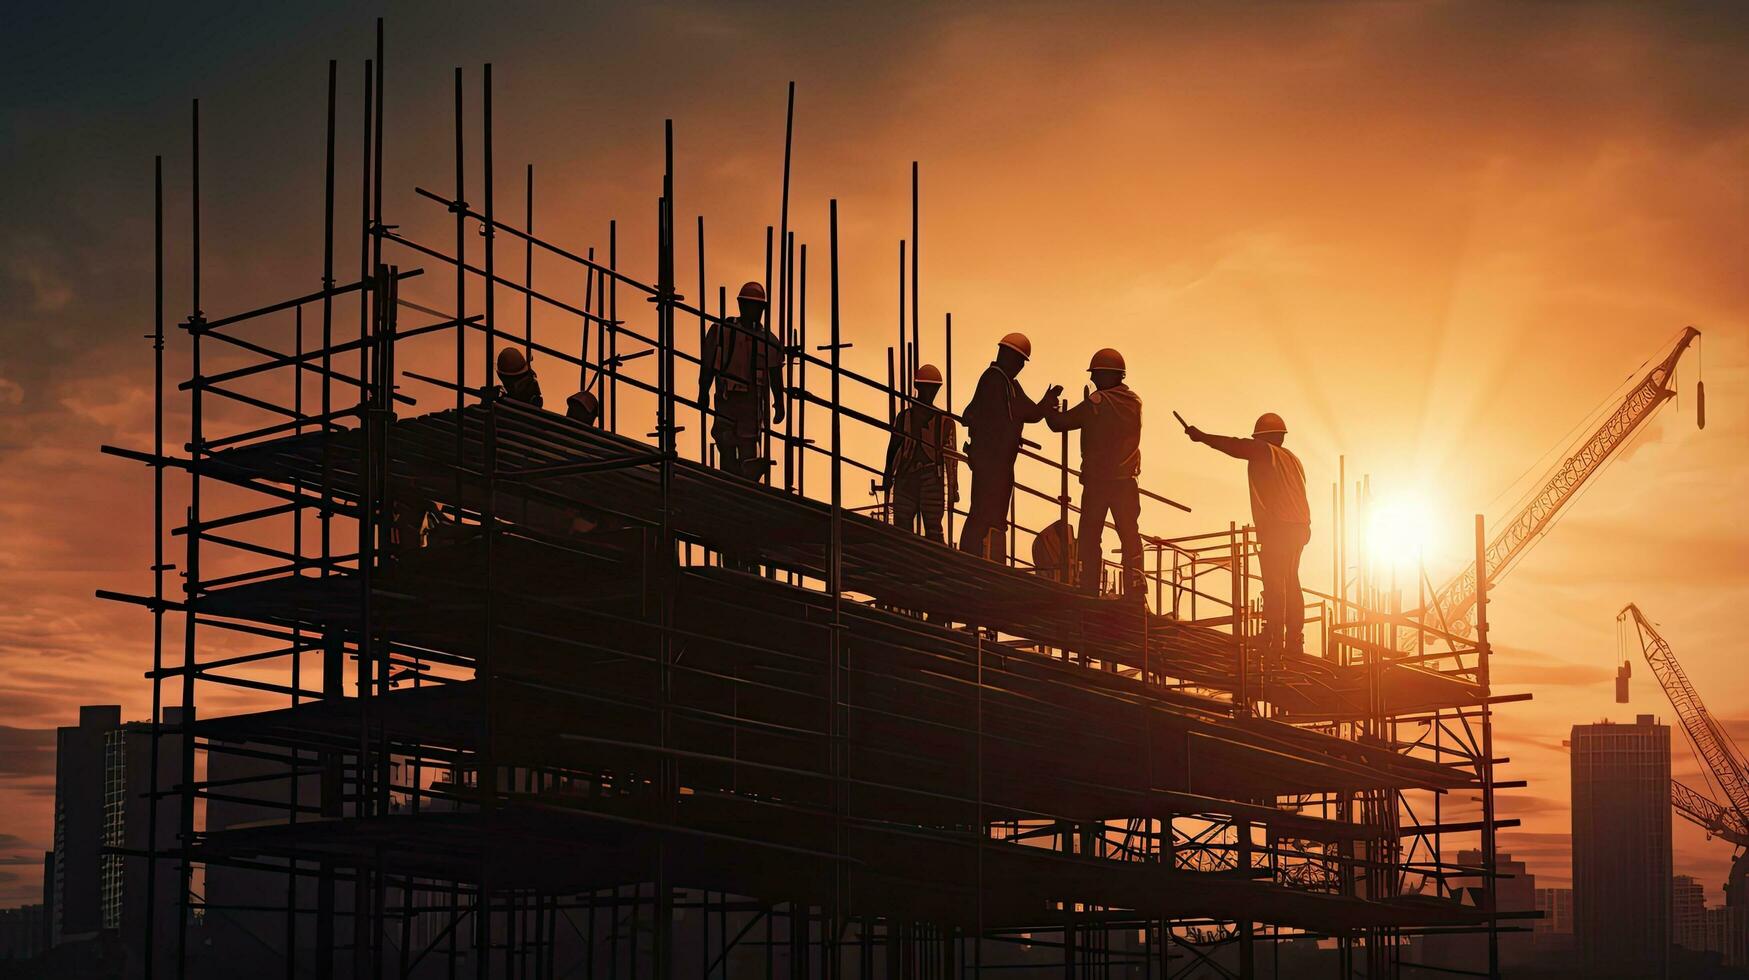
1401 530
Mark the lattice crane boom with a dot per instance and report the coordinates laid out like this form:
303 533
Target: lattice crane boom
1725 824
1457 598
1710 740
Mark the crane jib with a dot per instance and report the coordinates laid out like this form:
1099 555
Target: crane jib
1452 604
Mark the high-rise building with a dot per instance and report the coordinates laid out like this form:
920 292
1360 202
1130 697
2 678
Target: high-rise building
1556 905
1552 935
1621 848
103 828
80 757
1687 912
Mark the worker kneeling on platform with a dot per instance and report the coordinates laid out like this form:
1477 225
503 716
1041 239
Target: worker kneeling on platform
743 361
998 411
1284 524
517 377
921 474
1110 420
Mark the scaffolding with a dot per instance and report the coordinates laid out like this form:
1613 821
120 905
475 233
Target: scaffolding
543 698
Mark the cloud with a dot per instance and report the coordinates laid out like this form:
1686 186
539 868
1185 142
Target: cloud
26 752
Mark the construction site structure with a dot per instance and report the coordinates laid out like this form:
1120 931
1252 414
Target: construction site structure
539 697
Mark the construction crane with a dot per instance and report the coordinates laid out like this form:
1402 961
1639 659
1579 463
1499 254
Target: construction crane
1451 605
1717 751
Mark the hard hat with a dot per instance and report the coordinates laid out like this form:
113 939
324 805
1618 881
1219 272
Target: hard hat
1017 343
583 406
511 363
928 374
1107 359
1268 422
752 291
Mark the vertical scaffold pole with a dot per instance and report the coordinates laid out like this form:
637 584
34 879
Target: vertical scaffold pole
670 777
488 770
191 586
916 349
157 560
835 574
1483 652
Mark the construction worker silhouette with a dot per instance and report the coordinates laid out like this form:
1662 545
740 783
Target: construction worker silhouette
583 407
999 409
921 473
517 377
1110 420
743 361
1283 520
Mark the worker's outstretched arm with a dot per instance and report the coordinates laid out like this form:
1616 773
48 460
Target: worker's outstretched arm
1074 418
1231 445
1031 411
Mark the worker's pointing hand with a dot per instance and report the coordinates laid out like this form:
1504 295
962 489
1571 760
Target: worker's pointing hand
1193 432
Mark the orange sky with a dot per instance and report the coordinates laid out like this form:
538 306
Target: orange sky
1432 236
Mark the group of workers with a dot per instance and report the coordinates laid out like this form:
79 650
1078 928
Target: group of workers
741 367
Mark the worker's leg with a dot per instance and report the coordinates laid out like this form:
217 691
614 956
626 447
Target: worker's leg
992 485
723 435
1126 513
904 494
1293 597
1272 557
1269 557
1090 535
931 502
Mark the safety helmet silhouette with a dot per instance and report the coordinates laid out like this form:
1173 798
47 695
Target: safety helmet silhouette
512 363
1267 423
1107 359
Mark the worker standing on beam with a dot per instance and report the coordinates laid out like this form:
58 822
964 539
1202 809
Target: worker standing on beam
518 378
743 361
921 473
1110 420
999 409
1284 524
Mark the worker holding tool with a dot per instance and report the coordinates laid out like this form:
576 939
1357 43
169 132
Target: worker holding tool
1283 520
517 377
743 361
1110 420
921 473
998 411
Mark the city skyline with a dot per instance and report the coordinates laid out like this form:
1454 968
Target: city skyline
1434 237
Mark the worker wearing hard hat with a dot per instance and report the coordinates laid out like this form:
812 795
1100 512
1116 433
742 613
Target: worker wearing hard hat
1284 524
517 377
997 412
583 407
921 473
1110 420
743 362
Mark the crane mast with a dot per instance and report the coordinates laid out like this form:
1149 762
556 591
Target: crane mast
1452 604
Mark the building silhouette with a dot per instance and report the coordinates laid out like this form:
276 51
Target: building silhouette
1621 848
81 752
96 878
